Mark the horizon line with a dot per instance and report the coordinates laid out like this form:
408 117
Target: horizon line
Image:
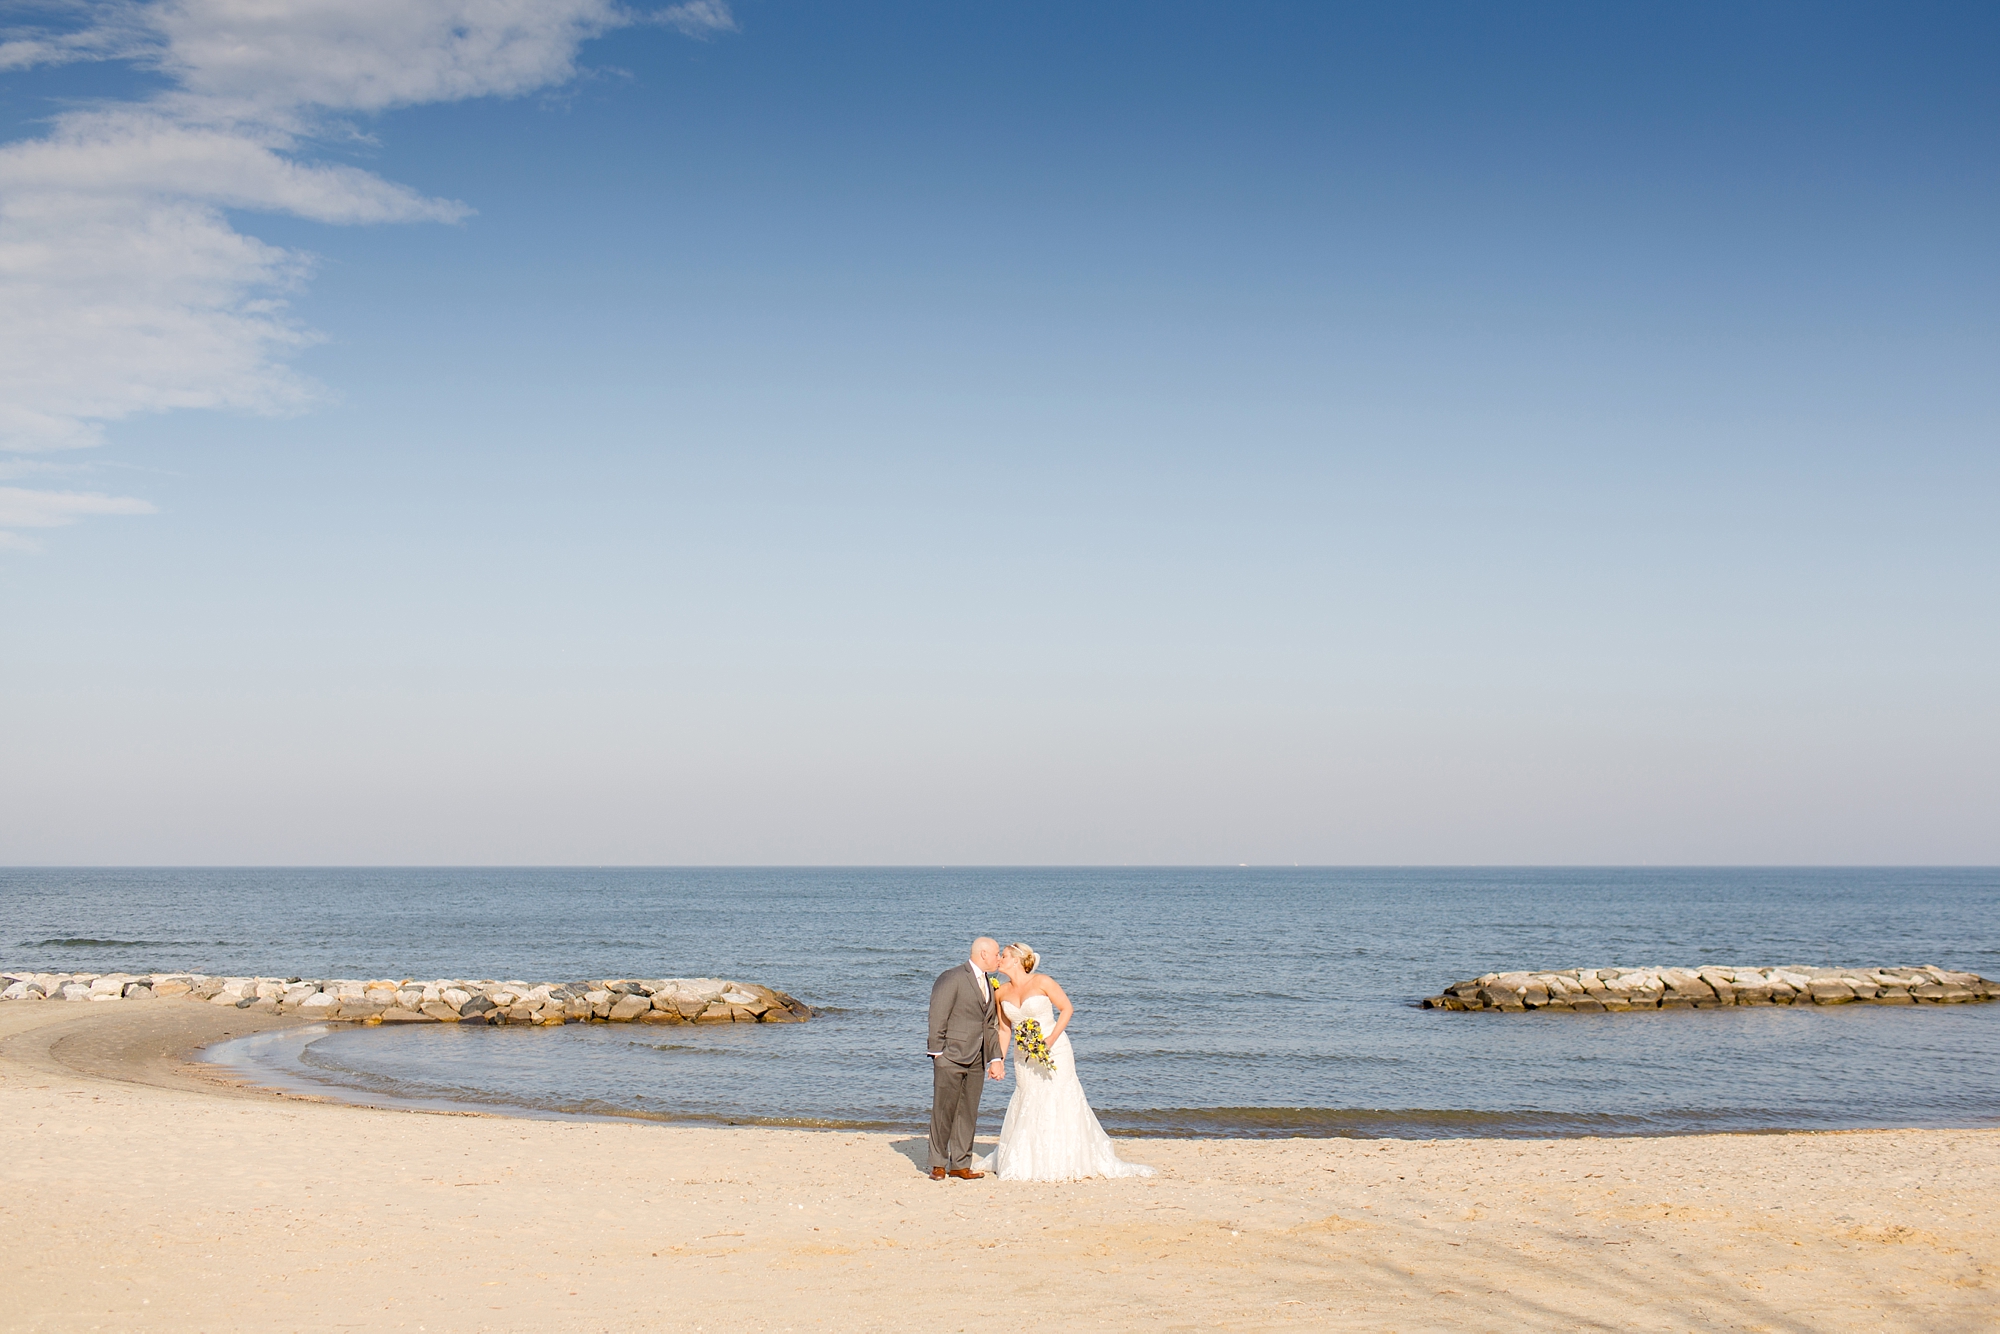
1001 866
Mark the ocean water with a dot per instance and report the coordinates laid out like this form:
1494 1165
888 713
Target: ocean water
1209 1001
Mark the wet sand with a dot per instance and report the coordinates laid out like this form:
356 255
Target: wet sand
143 1192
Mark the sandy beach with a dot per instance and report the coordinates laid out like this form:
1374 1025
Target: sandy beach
144 1192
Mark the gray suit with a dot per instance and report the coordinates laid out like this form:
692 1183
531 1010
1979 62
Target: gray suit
965 1035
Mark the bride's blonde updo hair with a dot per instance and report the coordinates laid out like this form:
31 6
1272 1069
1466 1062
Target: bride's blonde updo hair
1027 956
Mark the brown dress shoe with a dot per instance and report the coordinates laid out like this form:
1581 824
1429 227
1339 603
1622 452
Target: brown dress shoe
967 1174
937 1174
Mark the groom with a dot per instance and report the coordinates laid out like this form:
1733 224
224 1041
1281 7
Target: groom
964 1037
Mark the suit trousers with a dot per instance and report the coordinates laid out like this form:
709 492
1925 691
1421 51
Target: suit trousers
955 1091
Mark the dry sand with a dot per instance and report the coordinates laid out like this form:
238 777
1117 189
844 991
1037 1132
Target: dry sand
142 1193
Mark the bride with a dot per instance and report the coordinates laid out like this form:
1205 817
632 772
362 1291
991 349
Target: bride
1050 1133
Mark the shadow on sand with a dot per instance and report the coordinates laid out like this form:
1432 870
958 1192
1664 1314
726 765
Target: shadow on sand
917 1149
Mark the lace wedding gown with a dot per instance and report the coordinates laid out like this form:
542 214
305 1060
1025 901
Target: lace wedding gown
1050 1133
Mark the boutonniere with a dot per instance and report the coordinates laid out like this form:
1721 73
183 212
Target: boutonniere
996 980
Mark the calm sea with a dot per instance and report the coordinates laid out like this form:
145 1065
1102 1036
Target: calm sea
1210 1001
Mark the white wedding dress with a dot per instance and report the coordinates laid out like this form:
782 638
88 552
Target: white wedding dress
1050 1133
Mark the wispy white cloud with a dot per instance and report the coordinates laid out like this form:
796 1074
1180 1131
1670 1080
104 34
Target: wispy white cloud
112 156
124 288
369 55
22 508
112 31
698 18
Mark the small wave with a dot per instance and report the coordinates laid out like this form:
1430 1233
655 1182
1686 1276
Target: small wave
687 1047
92 942
1437 1123
596 1108
1242 1065
330 1075
329 1068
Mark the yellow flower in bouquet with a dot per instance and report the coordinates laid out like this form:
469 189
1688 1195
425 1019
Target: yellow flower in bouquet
1028 1040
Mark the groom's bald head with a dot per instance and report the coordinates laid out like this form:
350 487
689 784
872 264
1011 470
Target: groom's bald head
986 953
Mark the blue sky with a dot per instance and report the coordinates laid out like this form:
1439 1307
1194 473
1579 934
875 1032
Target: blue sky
477 431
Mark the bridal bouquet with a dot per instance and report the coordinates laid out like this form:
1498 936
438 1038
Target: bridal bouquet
1028 1040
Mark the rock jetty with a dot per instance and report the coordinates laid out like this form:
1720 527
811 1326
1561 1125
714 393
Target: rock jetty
1592 989
670 1000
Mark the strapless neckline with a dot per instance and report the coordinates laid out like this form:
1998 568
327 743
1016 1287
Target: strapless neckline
1020 1007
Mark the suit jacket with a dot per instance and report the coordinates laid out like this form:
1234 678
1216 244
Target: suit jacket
964 1019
